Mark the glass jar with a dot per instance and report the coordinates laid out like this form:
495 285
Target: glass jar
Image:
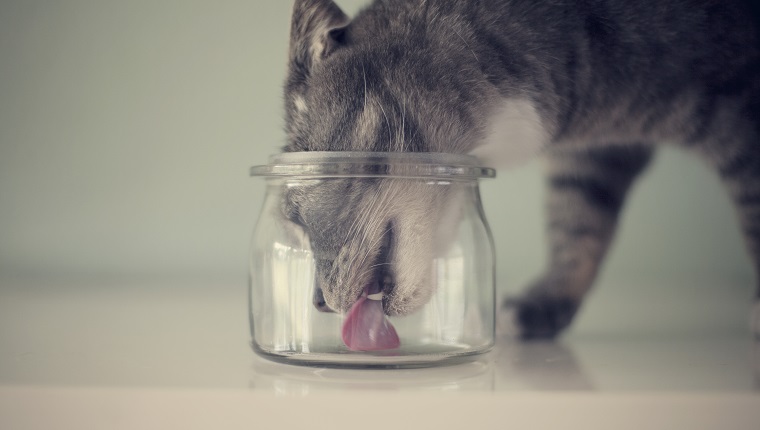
372 260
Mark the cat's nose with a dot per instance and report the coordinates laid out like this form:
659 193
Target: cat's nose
319 301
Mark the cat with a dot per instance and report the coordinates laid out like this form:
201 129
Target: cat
594 85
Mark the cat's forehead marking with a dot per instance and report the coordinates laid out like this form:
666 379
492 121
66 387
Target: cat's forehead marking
368 121
300 103
514 133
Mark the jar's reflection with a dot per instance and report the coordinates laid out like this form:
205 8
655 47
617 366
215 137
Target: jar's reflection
539 366
756 362
291 380
511 366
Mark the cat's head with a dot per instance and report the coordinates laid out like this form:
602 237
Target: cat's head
371 84
386 81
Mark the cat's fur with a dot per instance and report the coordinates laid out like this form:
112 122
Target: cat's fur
595 84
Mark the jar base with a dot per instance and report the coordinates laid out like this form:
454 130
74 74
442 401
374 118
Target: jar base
395 359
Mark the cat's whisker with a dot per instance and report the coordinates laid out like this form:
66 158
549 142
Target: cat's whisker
403 122
388 122
365 210
379 264
370 216
380 218
373 245
364 76
477 61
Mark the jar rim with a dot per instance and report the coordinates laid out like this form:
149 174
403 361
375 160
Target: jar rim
323 164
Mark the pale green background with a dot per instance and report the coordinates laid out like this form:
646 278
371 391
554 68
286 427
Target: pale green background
127 128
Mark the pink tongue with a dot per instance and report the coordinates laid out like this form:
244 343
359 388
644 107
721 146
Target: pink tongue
367 329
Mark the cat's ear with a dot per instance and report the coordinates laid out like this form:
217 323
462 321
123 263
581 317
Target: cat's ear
317 30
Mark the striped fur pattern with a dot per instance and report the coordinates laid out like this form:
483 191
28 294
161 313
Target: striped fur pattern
596 85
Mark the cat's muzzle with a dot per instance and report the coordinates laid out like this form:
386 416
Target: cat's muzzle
382 276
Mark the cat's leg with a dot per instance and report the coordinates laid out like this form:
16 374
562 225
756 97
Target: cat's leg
740 172
586 190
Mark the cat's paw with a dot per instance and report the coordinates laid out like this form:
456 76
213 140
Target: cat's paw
534 316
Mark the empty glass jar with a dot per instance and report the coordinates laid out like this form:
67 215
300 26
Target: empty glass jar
371 260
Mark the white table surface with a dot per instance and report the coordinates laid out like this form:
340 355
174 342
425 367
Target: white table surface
102 352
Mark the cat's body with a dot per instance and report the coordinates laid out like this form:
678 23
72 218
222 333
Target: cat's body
595 84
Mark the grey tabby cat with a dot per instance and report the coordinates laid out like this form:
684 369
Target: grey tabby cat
594 84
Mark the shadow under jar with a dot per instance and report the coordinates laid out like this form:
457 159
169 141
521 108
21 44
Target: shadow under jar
372 260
